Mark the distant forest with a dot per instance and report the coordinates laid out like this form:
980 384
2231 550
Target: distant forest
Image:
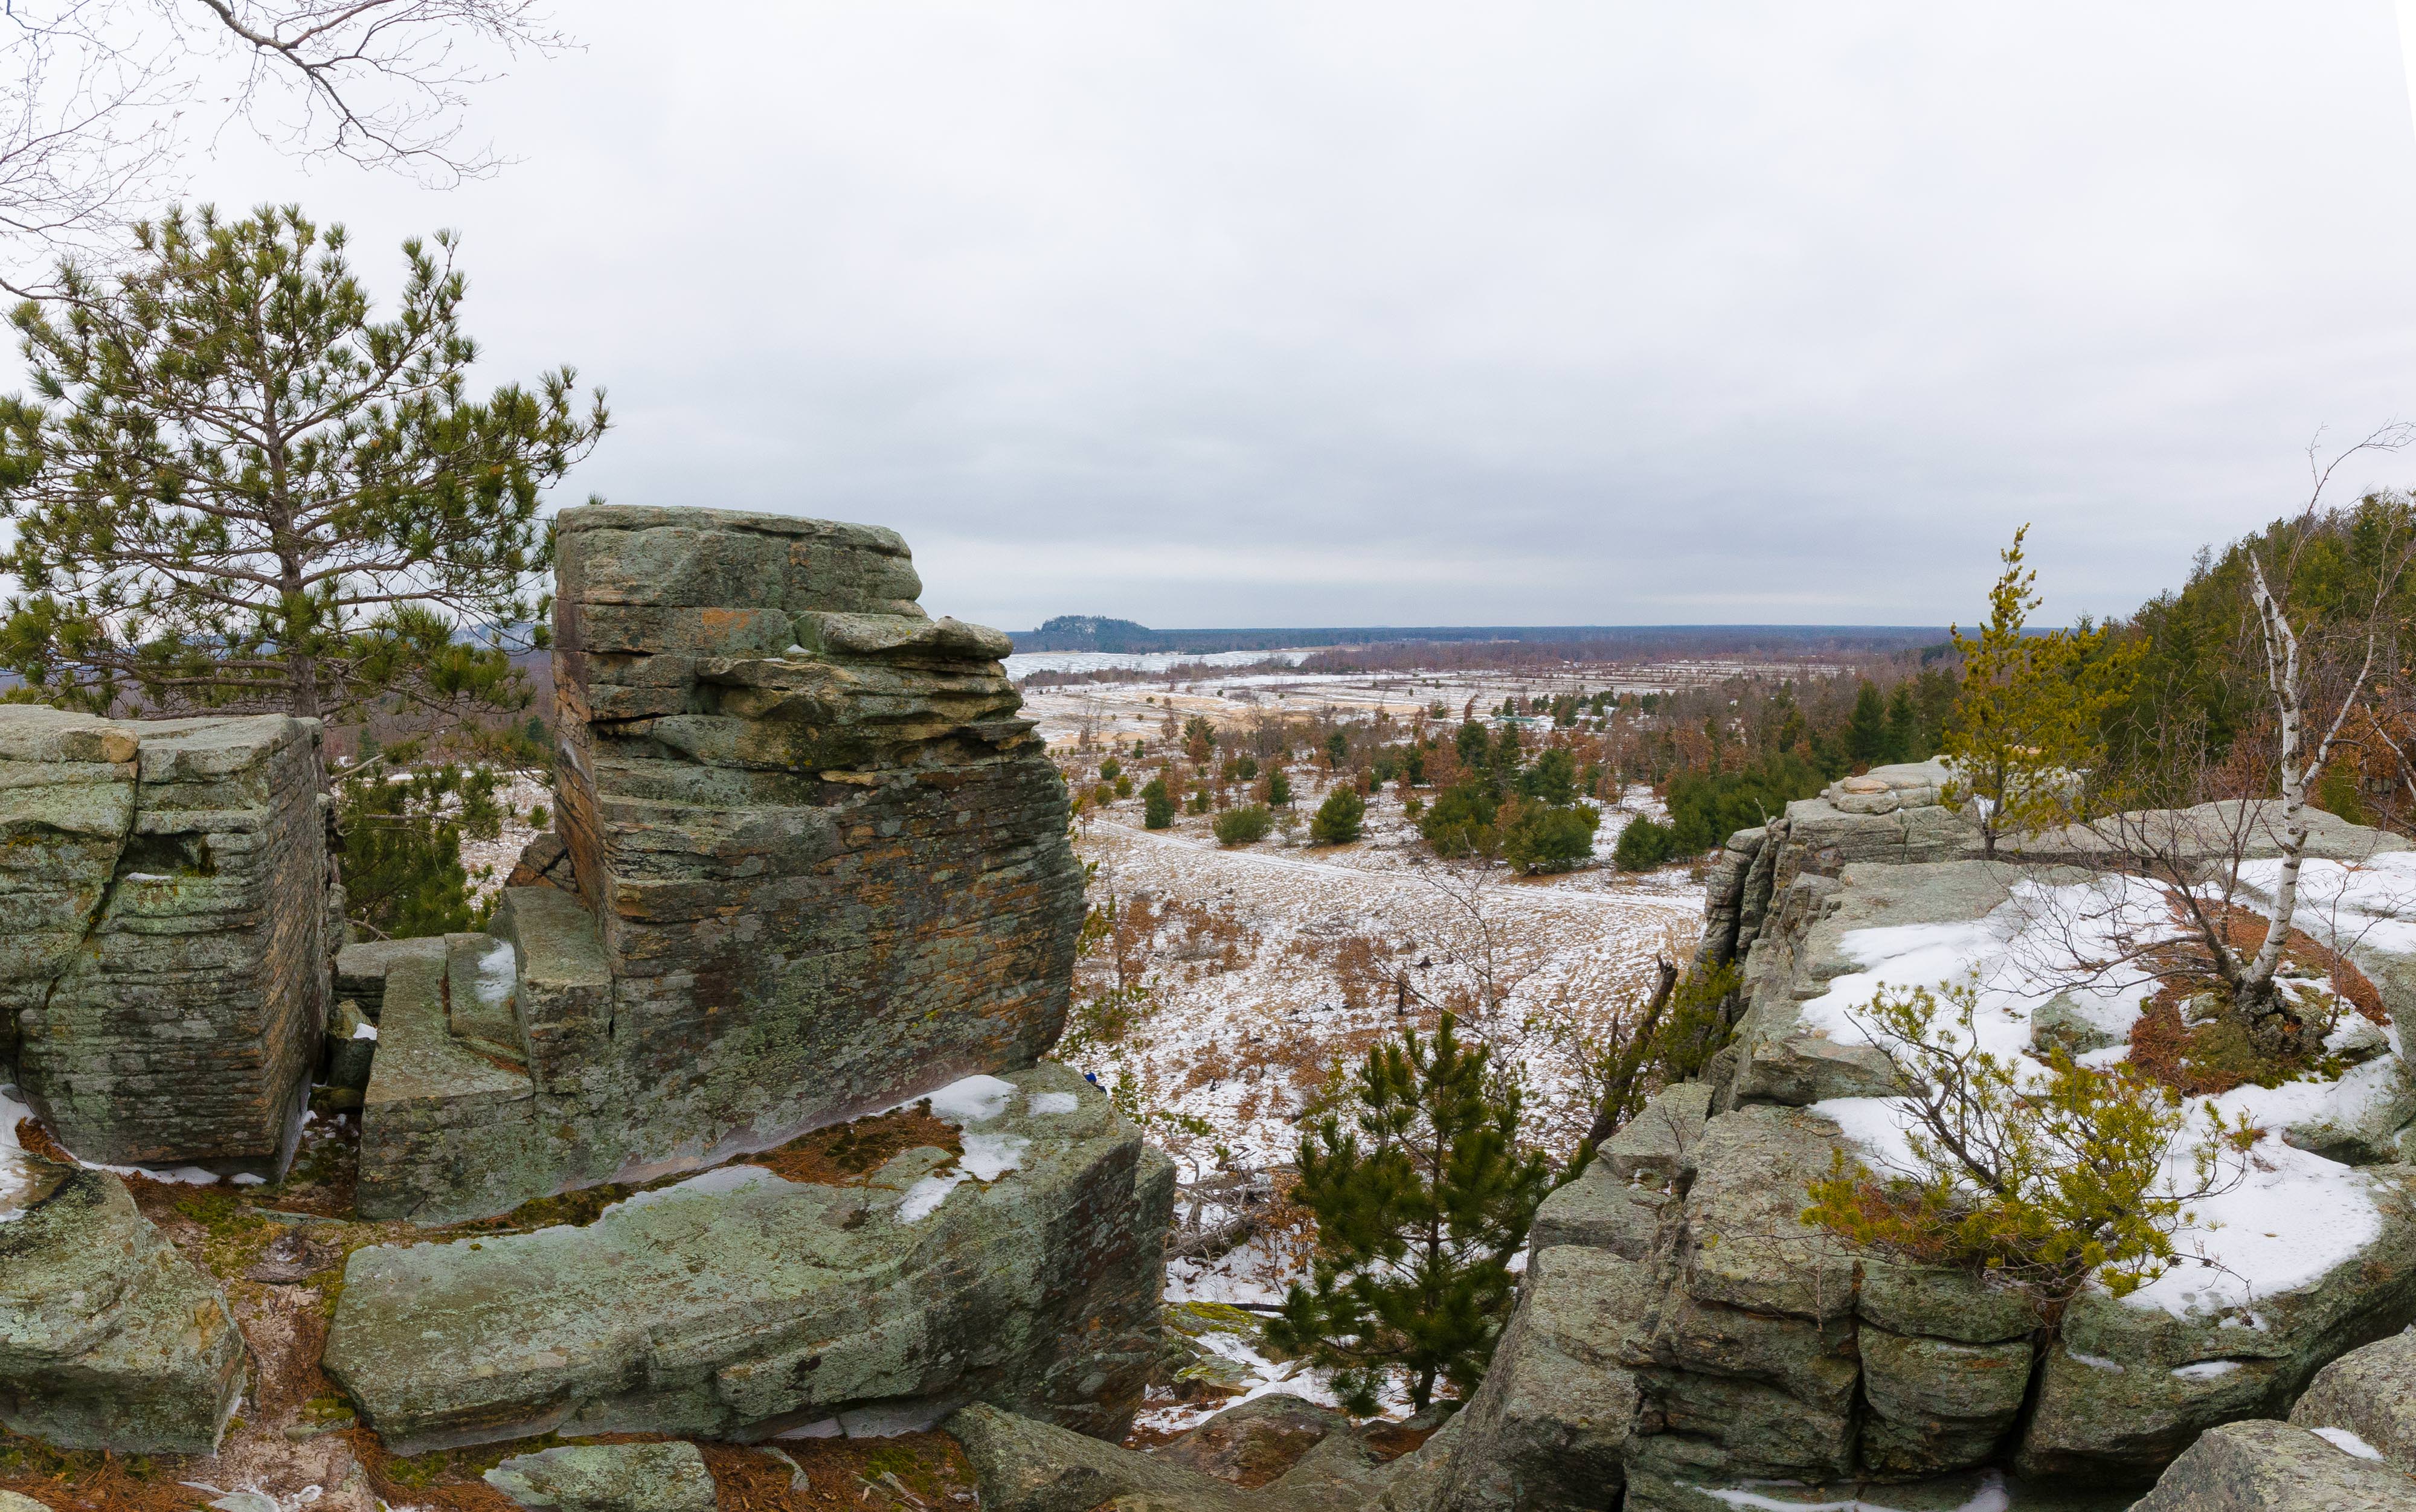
1609 643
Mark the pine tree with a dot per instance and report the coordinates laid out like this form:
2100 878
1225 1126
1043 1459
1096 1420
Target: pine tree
2028 713
1903 740
1553 778
235 489
1866 729
1420 1208
1339 818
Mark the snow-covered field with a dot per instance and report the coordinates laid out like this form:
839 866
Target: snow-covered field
1024 664
1112 710
1270 968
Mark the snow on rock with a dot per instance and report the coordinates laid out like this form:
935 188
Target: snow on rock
2294 1216
976 1100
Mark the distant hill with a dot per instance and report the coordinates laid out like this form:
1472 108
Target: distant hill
1098 633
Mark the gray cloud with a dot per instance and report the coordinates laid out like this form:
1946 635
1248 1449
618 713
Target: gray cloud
1261 314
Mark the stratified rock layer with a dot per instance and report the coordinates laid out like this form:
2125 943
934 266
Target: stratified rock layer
1761 1353
108 1338
819 866
164 981
738 1304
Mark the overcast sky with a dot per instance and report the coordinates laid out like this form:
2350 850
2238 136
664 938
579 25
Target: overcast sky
1242 314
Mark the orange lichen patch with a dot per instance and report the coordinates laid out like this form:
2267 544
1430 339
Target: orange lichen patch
844 1154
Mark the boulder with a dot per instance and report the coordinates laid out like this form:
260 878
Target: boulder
1745 1361
739 1303
166 989
1027 1466
2369 1392
1547 1428
109 1338
2265 1466
1252 1443
1618 1202
11 1502
811 863
1781 1059
2127 1387
608 1478
1601 1211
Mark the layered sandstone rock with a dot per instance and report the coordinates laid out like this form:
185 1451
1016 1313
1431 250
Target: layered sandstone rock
1762 1352
164 984
739 1303
108 1338
815 865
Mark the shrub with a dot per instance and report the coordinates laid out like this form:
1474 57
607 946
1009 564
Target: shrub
1244 825
2046 1186
1278 788
1339 818
1644 845
1460 821
1124 784
1157 805
1549 838
1110 770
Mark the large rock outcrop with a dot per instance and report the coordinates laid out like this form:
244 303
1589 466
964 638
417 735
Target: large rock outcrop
1759 1350
109 1338
738 1304
815 865
163 979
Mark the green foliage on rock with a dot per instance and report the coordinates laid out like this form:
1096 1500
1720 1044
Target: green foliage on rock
1339 819
1421 1204
2045 1183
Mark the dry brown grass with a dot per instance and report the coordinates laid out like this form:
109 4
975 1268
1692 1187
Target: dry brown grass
844 1155
91 1481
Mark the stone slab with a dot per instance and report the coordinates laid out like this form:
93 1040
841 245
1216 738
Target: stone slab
739 1303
